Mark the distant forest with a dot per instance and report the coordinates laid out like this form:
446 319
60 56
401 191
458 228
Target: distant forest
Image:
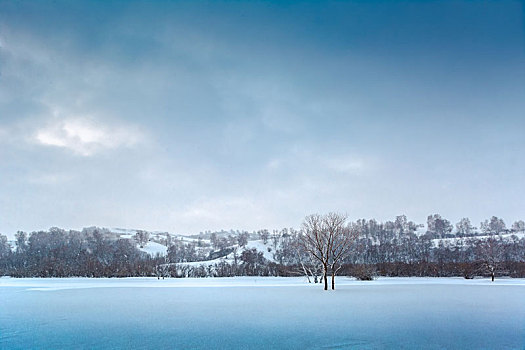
392 248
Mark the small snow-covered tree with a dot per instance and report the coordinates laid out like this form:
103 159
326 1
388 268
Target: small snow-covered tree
252 261
142 238
518 226
214 240
438 227
464 228
494 226
264 235
243 239
5 249
21 241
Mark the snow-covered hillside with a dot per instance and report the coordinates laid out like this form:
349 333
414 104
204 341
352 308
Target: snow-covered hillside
154 249
158 245
465 240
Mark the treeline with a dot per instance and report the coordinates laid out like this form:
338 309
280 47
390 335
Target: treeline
60 253
99 253
400 248
393 248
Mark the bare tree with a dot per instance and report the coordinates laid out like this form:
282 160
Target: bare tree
309 265
328 239
315 241
341 239
491 255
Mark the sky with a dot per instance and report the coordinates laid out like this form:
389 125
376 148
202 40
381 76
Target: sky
193 116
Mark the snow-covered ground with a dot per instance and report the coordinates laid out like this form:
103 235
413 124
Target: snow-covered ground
154 248
257 244
261 247
51 284
456 240
261 313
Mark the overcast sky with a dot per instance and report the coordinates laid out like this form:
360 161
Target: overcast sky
193 116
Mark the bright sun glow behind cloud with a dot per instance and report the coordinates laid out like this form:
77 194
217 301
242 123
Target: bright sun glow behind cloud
85 137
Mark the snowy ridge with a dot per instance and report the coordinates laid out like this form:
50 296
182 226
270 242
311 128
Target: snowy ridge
455 240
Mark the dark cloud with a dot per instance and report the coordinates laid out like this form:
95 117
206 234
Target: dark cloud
188 116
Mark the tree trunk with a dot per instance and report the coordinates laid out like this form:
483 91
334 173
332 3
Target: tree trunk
492 276
306 273
333 279
325 278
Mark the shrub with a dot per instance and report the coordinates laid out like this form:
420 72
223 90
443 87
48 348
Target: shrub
364 272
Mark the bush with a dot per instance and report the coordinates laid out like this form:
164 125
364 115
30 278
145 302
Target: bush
364 272
468 270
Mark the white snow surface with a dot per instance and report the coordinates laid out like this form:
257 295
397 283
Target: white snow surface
51 284
154 248
257 244
261 247
261 313
455 240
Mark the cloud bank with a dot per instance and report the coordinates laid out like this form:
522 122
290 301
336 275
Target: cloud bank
86 137
200 116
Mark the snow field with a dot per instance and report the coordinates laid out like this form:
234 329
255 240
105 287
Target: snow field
261 313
